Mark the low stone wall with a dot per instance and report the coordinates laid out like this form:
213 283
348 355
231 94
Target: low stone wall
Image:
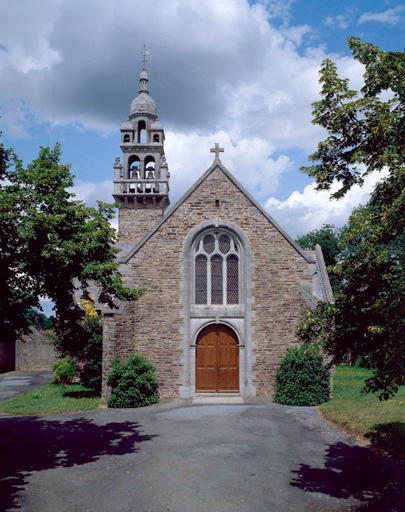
34 352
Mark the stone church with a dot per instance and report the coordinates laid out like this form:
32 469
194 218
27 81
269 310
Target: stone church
225 285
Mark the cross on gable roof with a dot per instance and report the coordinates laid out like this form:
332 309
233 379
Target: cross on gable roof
217 150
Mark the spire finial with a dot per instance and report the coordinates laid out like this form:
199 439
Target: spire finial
145 53
217 150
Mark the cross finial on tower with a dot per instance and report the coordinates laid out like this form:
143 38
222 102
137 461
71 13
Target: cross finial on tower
144 55
217 150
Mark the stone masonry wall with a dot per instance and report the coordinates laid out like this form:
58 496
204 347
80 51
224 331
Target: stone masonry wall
135 223
154 324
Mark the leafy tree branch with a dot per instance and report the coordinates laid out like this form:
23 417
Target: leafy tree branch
366 133
49 241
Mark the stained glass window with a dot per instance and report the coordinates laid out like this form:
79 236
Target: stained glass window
216 280
209 244
224 244
201 279
216 270
232 279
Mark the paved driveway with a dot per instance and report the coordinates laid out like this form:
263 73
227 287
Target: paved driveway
14 383
180 457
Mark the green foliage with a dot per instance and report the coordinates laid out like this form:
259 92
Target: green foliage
328 237
49 334
302 378
317 325
370 310
64 370
366 132
366 128
83 341
367 319
133 383
330 240
39 320
92 355
50 241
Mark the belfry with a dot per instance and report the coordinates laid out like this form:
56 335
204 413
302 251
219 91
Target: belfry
141 181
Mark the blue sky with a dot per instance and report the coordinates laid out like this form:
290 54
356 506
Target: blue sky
240 73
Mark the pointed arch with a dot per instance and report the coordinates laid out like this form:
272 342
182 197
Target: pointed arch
226 240
217 360
216 268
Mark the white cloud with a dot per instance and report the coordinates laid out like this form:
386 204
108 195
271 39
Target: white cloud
249 160
90 193
212 67
232 72
390 17
16 118
76 63
304 211
341 21
278 9
25 30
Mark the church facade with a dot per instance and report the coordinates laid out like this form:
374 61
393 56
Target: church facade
224 284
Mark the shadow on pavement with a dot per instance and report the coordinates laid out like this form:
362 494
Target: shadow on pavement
390 437
373 480
30 444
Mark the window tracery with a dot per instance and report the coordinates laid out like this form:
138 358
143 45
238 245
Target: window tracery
216 269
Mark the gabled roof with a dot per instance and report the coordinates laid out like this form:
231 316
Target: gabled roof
129 249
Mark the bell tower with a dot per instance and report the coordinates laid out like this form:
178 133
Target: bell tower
141 180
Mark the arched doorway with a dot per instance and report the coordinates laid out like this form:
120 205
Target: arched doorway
217 360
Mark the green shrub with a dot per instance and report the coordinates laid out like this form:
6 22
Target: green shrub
64 370
302 378
133 383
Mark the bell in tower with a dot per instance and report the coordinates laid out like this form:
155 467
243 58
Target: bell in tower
141 181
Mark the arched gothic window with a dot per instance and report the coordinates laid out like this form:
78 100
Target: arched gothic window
216 269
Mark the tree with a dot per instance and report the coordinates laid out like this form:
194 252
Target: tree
366 133
329 238
90 353
49 241
39 320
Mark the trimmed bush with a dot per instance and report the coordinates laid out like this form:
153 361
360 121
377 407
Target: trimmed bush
133 383
64 370
302 378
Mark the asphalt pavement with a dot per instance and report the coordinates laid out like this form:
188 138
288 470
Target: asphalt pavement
14 383
178 456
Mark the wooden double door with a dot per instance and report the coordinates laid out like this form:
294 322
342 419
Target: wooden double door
217 360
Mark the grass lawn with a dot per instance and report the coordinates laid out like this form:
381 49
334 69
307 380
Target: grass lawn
363 413
52 399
